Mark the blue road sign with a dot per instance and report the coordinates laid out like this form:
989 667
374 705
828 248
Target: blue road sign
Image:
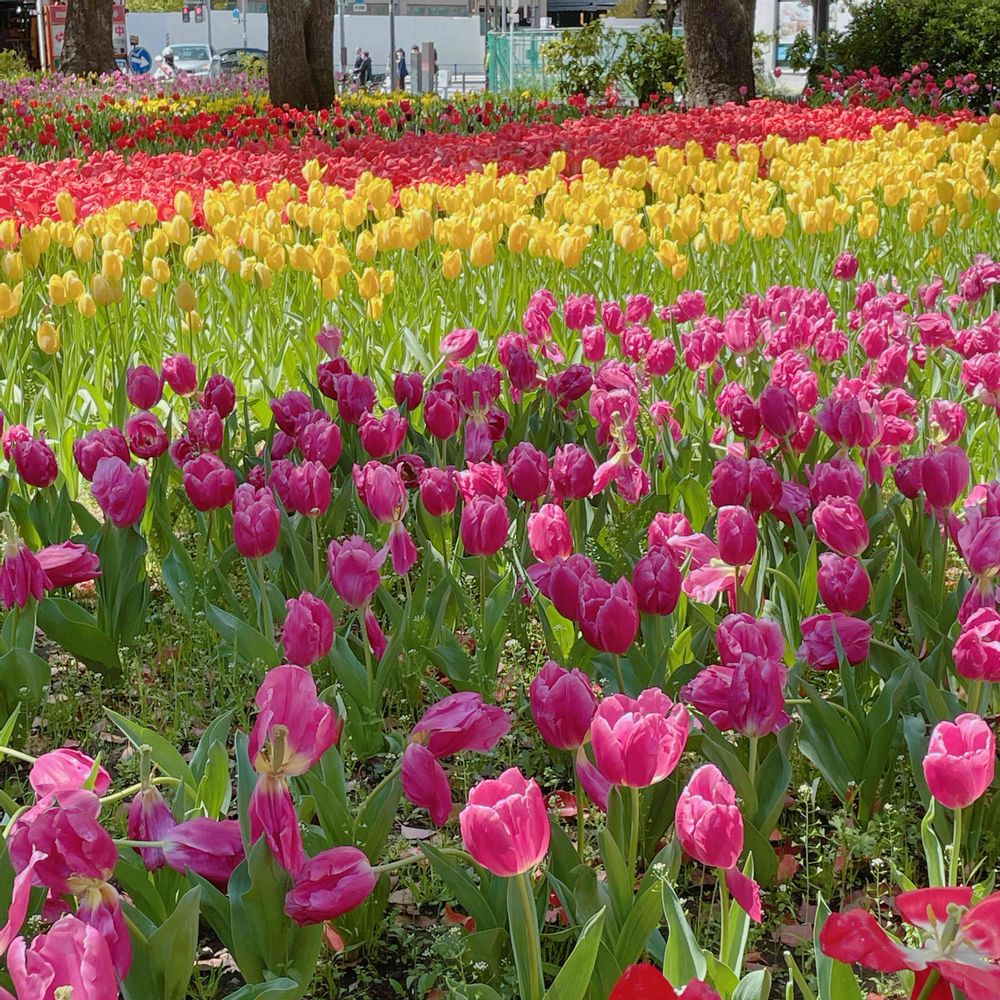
236 13
140 60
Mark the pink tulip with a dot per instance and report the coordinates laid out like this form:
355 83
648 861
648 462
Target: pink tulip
143 387
68 563
441 413
461 721
977 649
437 491
484 525
328 339
948 420
36 462
595 343
120 491
307 635
579 311
837 478
559 580
308 489
779 412
945 476
319 440
71 953
145 435
527 471
505 826
95 445
549 533
179 373
573 470
381 490
329 885
205 430
355 570
608 613
657 582
765 487
756 697
219 395
100 907
211 848
287 698
355 397
843 583
425 783
209 482
708 821
841 525
661 357
382 437
909 477
12 436
818 647
459 344
960 761
742 633
65 770
485 479
736 532
150 818
272 815
562 704
256 521
639 741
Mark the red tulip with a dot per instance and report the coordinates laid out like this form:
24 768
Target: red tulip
646 982
505 826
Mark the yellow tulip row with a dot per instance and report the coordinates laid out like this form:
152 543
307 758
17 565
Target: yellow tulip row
678 202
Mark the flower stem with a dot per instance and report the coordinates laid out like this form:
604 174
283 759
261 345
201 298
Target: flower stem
724 917
956 849
139 843
528 959
314 529
163 779
633 834
619 674
580 832
752 765
17 755
266 623
932 980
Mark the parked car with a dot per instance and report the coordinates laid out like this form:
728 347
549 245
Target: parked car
198 60
237 60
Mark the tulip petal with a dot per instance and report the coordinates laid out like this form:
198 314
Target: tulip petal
856 937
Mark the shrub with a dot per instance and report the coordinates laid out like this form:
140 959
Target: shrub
13 65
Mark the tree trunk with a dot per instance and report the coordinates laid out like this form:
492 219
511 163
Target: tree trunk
668 14
87 44
300 53
718 50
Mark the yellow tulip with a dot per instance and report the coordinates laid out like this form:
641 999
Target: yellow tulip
160 270
83 248
482 252
451 264
57 290
47 337
185 297
86 306
183 205
368 283
147 287
65 206
13 266
387 282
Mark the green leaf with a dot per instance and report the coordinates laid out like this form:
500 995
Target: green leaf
574 977
217 732
461 884
277 989
165 754
524 937
754 986
641 921
164 962
377 816
834 980
932 848
683 959
77 631
246 643
23 675
214 908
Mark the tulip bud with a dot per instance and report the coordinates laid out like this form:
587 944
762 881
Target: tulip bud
657 582
736 533
841 525
562 704
549 533
960 761
843 583
307 635
47 337
708 821
607 613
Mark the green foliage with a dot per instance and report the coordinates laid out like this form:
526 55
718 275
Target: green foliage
596 57
13 65
952 36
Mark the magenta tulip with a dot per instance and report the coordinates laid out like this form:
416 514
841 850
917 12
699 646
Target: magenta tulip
909 476
960 761
120 491
484 525
527 471
179 373
355 570
290 409
841 525
36 462
319 439
818 647
639 741
742 633
205 430
308 489
381 490
219 395
944 476
150 818
408 389
572 473
461 721
21 574
329 885
66 769
145 435
437 491
843 583
736 533
425 783
657 582
608 613
95 445
271 814
355 397
441 413
562 704
307 635
459 344
382 437
143 387
68 563
256 521
845 267
779 413
977 649
756 699
211 848
708 821
505 826
209 482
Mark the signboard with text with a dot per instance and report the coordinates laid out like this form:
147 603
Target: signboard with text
55 26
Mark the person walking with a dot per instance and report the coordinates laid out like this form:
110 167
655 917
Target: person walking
365 70
401 72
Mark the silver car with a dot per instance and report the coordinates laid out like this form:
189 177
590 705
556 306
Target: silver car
198 60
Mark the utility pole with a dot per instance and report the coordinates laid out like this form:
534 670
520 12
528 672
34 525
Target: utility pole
343 41
392 45
208 21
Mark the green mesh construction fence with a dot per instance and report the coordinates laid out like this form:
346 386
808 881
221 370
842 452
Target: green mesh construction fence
529 64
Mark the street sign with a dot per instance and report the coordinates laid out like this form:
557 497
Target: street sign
140 60
236 14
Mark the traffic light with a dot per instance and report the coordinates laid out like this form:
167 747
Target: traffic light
186 14
199 14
